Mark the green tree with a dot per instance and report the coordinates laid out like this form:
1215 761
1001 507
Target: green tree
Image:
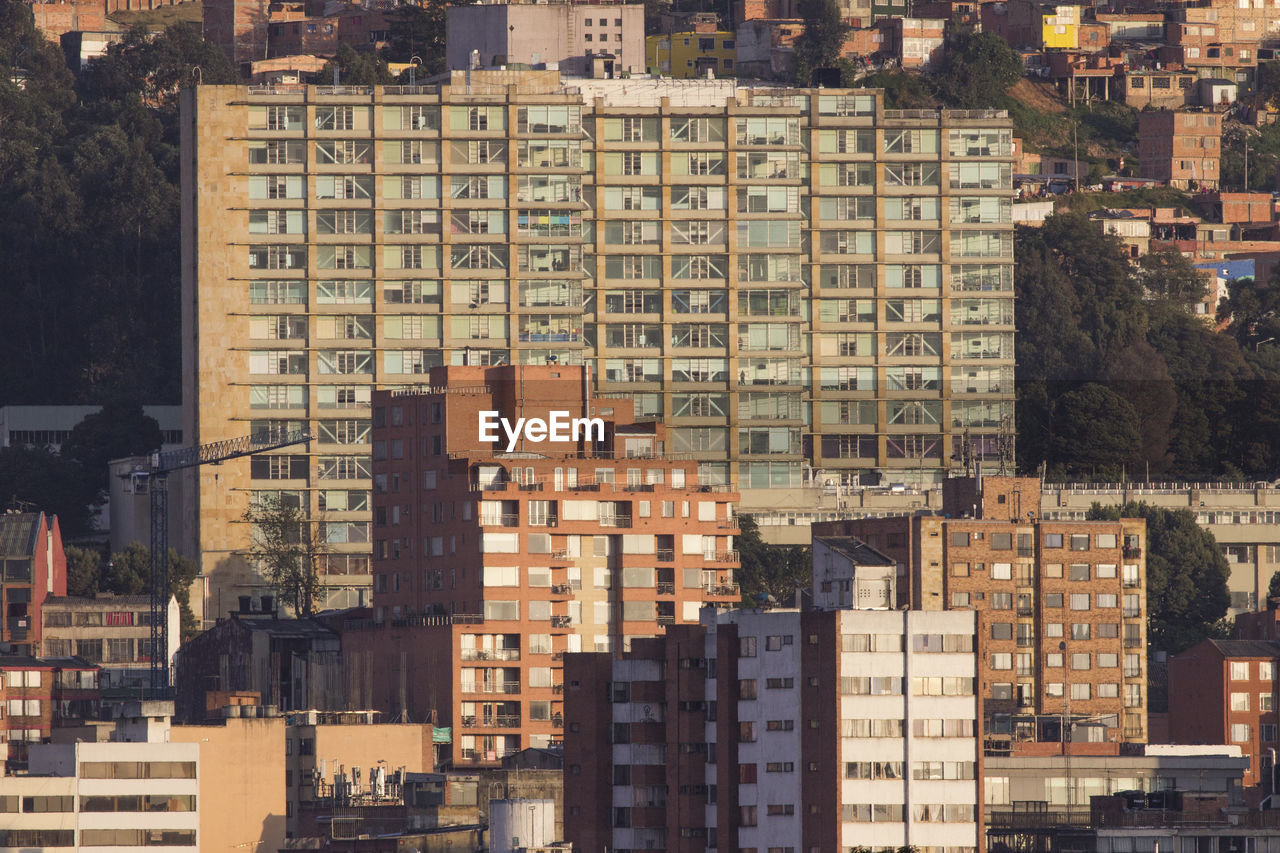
978 71
355 68
1273 588
128 572
822 43
1167 274
120 428
48 482
419 30
1095 432
287 551
84 569
1187 595
770 570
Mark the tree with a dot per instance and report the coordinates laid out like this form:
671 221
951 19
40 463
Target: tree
1273 588
1187 595
419 30
978 71
84 569
769 570
118 429
1167 274
822 42
129 573
1095 431
356 68
287 551
45 481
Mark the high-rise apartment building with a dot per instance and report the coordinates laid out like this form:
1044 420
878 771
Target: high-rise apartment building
779 730
494 560
802 284
1061 604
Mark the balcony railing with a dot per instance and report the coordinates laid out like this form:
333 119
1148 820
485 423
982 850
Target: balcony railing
1132 612
500 721
722 589
1132 583
721 556
560 589
666 555
616 521
506 519
1133 642
666 619
508 687
666 588
557 688
1131 552
1133 672
561 621
468 618
491 654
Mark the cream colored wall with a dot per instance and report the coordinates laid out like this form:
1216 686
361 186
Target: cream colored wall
242 783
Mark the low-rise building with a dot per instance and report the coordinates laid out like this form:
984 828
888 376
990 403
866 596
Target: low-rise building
914 42
112 631
124 787
570 36
41 695
33 567
692 54
1223 691
1180 147
292 664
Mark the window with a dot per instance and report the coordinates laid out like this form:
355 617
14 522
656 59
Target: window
1239 671
1239 701
1240 733
1080 601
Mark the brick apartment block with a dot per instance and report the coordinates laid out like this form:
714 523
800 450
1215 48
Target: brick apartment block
1180 147
490 566
1061 609
779 730
1223 691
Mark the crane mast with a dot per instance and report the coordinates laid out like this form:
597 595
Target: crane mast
163 463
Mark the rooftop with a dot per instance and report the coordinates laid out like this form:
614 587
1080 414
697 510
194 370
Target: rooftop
856 550
1247 648
18 532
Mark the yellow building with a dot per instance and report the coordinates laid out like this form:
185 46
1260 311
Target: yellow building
1060 27
691 54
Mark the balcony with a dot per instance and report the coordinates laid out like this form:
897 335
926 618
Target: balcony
721 556
1132 612
500 721
1133 672
490 654
666 619
557 688
560 589
1026 552
1025 611
508 687
1131 552
1133 642
468 618
561 621
666 588
562 555
1132 583
666 555
491 486
723 589
506 519
616 521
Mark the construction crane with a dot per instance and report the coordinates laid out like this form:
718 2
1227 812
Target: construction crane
163 463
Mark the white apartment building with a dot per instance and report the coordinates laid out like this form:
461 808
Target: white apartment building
135 791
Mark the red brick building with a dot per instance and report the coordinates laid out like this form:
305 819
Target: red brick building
1061 609
1181 147
34 568
38 695
494 559
1223 691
